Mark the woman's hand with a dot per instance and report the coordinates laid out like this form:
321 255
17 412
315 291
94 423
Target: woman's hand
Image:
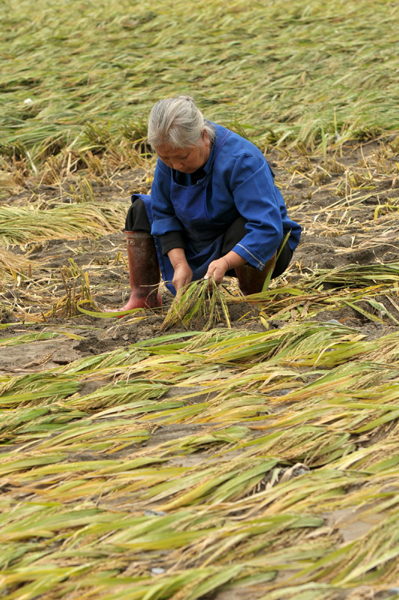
182 275
218 268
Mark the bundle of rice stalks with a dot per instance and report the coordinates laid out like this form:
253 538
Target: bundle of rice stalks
21 226
201 303
358 275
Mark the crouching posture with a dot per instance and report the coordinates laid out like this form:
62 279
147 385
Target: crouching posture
213 209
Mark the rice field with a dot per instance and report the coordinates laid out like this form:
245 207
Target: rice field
84 72
223 448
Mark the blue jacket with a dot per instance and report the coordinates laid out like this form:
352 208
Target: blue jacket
240 183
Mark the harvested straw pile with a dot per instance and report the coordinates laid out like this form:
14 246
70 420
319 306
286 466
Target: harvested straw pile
21 226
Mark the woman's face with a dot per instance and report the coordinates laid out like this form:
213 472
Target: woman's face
185 160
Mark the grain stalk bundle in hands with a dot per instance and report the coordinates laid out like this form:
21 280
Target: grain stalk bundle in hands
201 303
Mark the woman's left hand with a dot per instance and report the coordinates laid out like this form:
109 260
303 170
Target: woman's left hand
218 267
217 270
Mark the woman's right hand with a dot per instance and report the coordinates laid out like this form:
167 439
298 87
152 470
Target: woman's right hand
182 275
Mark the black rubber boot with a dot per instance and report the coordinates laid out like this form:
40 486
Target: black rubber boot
251 280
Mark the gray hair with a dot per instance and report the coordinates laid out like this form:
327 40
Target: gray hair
178 122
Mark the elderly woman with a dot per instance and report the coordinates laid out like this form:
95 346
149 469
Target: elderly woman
213 209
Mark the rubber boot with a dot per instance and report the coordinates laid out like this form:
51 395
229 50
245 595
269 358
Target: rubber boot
144 273
251 280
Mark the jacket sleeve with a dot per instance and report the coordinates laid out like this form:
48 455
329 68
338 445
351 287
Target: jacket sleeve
256 199
165 219
171 240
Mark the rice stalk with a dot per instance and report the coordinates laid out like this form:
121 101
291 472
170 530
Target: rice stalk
270 273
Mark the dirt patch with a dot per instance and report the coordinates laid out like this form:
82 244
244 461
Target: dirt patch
37 356
353 524
165 433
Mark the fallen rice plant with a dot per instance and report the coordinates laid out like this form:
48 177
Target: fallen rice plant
23 226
